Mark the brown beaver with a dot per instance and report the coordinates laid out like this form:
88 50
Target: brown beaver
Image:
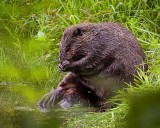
99 58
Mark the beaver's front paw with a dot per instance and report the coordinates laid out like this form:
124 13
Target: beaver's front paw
64 66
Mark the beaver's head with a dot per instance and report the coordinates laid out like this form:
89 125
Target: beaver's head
76 43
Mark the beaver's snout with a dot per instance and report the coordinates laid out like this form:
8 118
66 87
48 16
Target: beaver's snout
63 65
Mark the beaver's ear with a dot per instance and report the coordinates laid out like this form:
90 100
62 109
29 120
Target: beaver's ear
78 32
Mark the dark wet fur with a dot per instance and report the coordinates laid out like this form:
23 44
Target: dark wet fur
89 51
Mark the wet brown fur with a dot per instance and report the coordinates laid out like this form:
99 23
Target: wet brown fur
99 58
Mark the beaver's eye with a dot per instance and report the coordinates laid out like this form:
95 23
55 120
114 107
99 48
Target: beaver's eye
67 48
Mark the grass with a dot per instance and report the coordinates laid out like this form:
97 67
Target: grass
30 32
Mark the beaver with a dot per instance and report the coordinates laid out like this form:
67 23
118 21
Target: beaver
99 58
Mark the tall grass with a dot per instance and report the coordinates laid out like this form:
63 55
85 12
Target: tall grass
30 33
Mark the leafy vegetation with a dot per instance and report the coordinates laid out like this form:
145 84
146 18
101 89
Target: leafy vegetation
30 32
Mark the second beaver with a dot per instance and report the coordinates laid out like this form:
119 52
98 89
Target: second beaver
99 58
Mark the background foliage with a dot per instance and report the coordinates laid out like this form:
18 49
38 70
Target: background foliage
30 32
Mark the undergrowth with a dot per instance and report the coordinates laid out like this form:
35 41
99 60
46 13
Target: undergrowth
30 32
